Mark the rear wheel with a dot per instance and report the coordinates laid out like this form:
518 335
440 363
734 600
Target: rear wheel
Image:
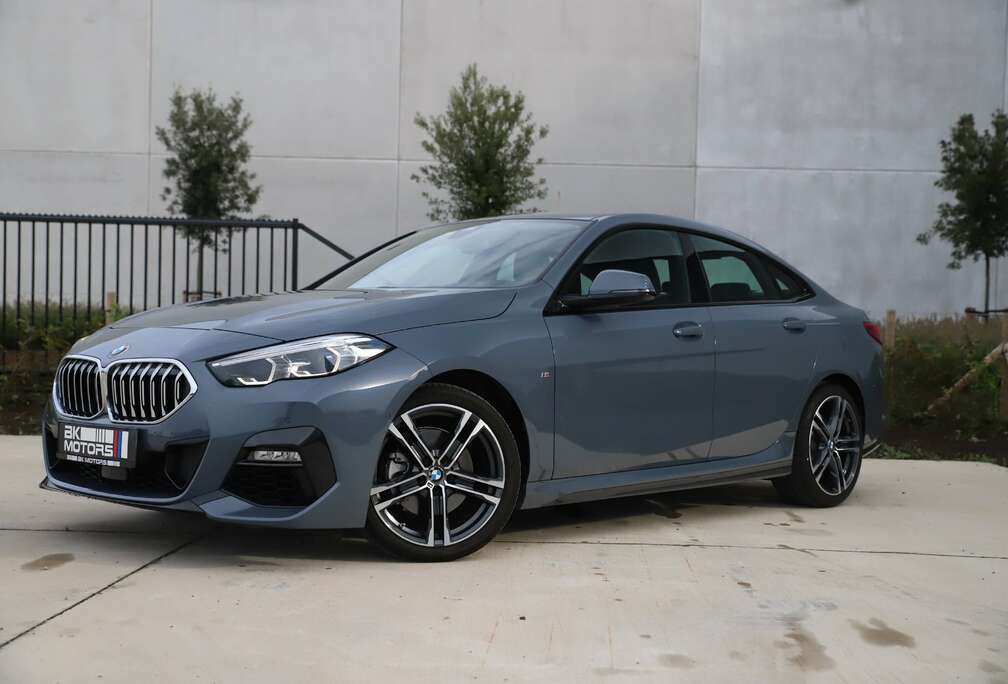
827 452
448 477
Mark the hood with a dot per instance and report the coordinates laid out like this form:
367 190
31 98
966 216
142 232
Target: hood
296 315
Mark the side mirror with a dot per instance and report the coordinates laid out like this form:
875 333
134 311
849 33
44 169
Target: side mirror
612 287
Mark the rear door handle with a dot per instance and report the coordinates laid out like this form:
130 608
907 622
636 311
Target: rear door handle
687 329
793 324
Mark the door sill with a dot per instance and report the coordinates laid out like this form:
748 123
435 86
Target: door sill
773 462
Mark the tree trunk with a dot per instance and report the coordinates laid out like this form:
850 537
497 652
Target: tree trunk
986 286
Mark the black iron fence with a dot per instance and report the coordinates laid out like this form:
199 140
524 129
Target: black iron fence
58 266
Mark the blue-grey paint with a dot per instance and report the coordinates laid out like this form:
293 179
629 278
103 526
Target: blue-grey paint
614 402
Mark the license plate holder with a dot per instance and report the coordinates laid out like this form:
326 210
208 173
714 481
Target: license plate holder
96 445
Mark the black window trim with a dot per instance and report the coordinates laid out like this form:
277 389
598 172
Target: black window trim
555 308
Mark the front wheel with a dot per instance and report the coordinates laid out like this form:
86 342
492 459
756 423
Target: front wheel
827 452
448 477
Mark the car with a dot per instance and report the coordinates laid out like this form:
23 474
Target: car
429 388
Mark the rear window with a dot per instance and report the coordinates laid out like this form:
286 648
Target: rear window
731 271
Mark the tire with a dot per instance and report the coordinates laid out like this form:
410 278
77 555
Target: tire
823 448
448 478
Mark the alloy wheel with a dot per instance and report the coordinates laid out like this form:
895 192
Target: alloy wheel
440 477
834 445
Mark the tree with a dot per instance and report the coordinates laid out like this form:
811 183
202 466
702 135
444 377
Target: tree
975 171
206 166
481 147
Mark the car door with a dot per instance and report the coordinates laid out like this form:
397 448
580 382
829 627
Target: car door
634 384
765 353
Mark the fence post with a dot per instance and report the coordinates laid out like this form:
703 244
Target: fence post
294 256
111 301
889 331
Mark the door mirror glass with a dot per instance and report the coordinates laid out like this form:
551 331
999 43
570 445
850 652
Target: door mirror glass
613 287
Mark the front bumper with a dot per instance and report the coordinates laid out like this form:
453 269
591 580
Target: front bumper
347 413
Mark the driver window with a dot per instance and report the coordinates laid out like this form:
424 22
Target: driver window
657 254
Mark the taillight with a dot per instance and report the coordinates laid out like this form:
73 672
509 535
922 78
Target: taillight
874 330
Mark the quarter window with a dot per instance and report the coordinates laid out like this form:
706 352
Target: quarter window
657 254
788 284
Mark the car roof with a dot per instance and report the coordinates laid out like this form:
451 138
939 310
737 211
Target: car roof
633 217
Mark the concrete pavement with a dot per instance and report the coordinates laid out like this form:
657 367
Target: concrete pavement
908 581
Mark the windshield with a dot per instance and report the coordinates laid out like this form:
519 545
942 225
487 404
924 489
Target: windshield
496 253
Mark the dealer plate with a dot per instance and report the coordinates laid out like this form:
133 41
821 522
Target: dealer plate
97 445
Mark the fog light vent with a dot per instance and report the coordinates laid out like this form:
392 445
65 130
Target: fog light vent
276 456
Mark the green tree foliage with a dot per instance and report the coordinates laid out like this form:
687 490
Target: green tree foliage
207 164
481 147
975 172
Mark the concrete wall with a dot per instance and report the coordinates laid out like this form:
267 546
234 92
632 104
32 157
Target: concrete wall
810 125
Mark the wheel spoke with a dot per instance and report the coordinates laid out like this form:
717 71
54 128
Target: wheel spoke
489 482
446 532
841 412
416 457
820 426
819 468
378 489
402 495
466 415
430 526
472 492
841 477
416 435
479 426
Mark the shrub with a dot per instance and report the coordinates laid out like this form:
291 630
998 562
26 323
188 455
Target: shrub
481 148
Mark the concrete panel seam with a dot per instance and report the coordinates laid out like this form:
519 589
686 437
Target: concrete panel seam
399 98
1004 64
696 107
150 94
102 590
547 162
815 169
104 153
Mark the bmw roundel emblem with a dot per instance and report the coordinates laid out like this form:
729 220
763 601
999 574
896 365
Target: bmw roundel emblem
119 350
436 474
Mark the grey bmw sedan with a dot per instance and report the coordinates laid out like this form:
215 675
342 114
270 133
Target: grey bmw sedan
431 387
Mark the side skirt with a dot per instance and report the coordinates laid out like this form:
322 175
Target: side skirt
773 462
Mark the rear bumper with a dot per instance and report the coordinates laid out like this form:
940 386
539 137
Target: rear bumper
348 413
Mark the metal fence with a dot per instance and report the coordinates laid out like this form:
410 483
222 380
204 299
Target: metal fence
56 266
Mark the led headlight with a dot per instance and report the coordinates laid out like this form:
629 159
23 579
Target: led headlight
311 358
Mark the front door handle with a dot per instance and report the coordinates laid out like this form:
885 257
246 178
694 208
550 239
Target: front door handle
793 324
687 329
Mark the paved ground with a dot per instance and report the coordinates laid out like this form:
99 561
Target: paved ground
906 582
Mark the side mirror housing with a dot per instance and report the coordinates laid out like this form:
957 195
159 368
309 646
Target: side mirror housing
612 287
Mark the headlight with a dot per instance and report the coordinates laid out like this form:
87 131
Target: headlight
311 358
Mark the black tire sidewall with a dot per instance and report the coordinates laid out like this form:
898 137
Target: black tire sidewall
801 486
437 393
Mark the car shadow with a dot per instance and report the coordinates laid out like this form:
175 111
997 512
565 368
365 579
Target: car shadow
215 545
